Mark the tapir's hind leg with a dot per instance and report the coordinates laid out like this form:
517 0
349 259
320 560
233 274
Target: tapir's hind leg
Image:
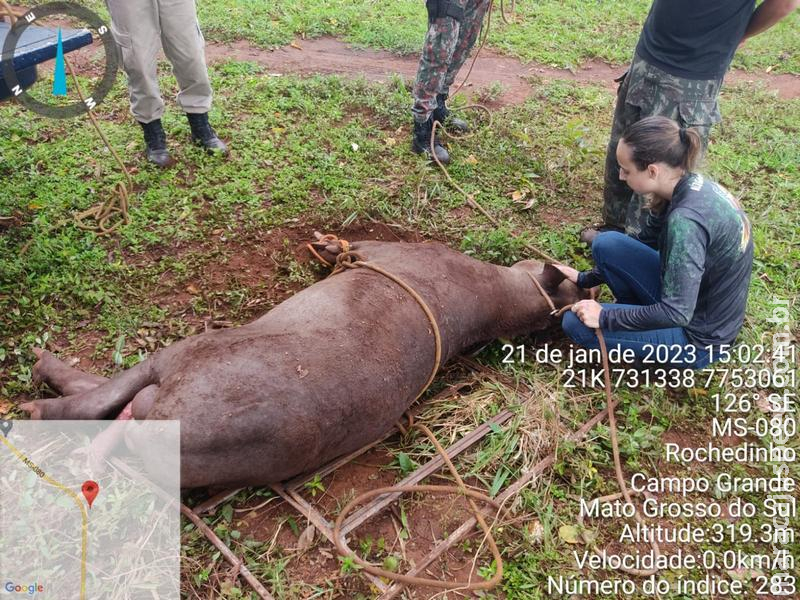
101 402
63 379
107 440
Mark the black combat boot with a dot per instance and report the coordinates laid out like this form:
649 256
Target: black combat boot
442 114
204 134
421 142
156 141
588 234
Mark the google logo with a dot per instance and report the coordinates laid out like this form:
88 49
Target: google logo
10 586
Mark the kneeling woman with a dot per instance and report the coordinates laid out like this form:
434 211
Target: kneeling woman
682 282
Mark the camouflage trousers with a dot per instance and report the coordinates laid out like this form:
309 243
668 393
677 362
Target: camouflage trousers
447 45
647 91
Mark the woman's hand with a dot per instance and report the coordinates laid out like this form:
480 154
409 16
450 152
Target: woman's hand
570 273
588 312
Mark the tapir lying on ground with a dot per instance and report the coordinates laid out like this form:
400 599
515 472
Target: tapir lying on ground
320 375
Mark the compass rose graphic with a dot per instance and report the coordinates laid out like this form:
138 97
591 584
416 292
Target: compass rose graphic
15 45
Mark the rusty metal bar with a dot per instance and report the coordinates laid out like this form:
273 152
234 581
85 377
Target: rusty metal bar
576 436
213 502
304 508
237 563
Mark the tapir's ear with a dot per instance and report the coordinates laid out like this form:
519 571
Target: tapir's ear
550 277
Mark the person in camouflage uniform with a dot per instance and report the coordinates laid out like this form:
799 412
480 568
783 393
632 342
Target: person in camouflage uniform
684 50
143 27
645 91
453 28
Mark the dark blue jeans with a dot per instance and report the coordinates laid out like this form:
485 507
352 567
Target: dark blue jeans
632 271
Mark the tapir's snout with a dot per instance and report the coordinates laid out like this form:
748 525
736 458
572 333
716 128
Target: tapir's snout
560 290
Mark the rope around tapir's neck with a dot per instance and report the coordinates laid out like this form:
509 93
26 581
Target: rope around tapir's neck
352 260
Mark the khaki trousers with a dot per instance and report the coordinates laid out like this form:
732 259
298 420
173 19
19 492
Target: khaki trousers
141 28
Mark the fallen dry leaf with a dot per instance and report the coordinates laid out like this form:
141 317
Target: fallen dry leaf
306 538
569 533
536 531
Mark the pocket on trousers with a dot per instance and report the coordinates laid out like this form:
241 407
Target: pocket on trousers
642 91
123 40
125 44
699 112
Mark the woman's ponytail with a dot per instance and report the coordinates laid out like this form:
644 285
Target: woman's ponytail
694 147
659 139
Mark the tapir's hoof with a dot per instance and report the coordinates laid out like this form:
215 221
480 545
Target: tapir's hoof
33 409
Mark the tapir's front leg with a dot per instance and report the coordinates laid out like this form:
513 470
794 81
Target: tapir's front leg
99 403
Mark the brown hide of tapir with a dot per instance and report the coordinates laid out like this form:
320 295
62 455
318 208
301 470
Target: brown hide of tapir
325 372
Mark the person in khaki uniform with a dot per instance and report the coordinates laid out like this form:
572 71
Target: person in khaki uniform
141 28
684 50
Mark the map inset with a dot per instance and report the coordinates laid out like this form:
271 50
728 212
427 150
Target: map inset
82 517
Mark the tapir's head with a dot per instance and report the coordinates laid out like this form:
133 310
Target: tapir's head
561 291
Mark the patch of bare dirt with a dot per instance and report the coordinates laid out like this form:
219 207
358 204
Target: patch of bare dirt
230 261
327 55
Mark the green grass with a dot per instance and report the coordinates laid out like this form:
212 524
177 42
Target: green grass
559 33
325 151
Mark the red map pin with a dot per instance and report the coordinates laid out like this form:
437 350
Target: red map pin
90 489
